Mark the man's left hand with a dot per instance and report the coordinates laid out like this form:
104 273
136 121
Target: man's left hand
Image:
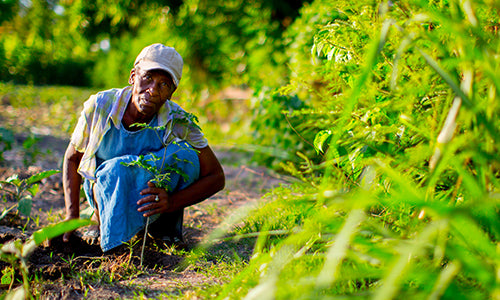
156 201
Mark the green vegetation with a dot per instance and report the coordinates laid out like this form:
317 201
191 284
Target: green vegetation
387 113
17 253
23 191
401 105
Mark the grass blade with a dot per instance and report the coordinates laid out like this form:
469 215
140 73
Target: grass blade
338 250
447 78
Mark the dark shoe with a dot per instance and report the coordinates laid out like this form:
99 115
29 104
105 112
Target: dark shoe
175 241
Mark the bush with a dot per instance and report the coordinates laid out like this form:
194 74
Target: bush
33 65
405 201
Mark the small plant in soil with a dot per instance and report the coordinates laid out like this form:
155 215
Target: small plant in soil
22 191
18 252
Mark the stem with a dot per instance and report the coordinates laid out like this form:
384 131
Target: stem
144 240
12 279
26 283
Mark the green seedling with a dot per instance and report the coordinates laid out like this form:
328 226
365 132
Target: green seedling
161 176
18 252
23 191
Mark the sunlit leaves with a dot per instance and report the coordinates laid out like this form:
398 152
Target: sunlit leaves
23 190
17 252
320 140
53 231
421 231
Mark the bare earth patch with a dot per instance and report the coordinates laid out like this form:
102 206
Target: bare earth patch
78 270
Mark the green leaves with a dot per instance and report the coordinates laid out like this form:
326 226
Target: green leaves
17 253
390 218
185 118
23 190
24 205
321 139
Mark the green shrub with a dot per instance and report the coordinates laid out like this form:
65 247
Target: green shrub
405 200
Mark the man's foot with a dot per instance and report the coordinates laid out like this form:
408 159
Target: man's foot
92 235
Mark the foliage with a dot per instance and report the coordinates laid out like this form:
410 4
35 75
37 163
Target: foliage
18 252
7 9
392 108
404 203
276 126
6 141
30 149
161 175
23 191
286 113
95 42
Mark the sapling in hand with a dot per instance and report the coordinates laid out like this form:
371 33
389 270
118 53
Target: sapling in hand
161 175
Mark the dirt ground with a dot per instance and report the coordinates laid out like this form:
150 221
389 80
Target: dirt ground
117 274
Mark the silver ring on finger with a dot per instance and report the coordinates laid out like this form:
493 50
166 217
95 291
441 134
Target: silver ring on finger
157 198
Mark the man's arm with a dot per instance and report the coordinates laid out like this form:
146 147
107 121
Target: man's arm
71 184
211 181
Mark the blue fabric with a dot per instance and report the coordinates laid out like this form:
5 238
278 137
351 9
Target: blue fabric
117 187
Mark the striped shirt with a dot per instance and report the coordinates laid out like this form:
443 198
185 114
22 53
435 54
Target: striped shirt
107 108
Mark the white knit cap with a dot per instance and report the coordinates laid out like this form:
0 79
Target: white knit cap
158 56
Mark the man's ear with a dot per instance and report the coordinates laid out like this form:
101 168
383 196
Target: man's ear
131 78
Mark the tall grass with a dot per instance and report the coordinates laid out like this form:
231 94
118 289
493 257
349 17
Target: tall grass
405 201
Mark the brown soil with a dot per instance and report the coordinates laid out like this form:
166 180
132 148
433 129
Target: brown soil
79 270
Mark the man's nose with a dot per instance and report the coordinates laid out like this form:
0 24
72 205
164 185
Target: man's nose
154 88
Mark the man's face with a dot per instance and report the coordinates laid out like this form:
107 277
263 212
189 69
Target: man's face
150 90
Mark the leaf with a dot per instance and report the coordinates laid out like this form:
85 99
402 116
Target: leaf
56 230
42 175
372 56
338 251
6 211
25 204
33 190
14 179
13 247
447 77
143 125
320 139
404 44
7 276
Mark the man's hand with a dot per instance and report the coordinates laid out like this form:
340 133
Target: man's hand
156 201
